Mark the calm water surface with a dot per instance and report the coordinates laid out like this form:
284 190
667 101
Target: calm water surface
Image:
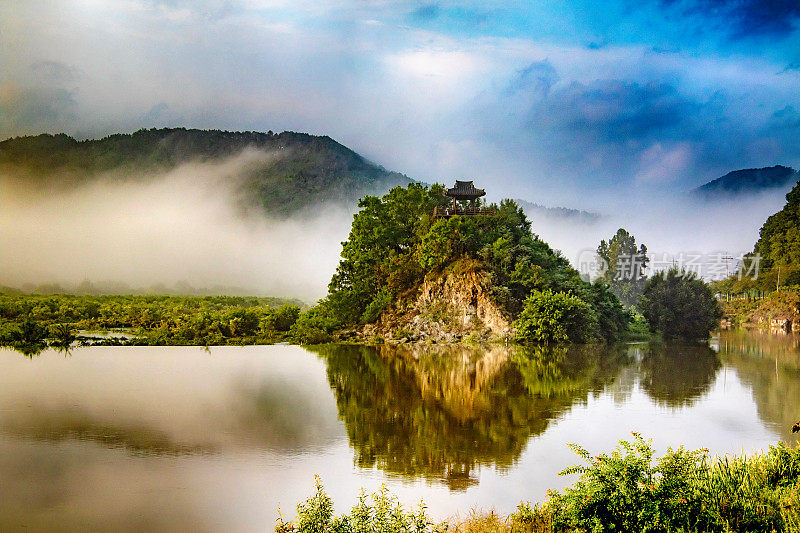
183 438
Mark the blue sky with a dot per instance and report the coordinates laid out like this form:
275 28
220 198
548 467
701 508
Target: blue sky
573 103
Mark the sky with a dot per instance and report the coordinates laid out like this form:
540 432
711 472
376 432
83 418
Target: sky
578 103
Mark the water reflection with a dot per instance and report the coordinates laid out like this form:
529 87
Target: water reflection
440 412
181 438
165 402
770 365
676 375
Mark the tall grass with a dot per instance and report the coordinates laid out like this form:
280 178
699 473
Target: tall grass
624 491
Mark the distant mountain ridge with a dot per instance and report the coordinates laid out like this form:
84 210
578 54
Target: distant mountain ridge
748 180
307 169
536 211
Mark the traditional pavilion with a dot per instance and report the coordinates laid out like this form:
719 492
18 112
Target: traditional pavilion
463 191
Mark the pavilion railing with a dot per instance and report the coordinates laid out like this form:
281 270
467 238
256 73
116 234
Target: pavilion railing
449 211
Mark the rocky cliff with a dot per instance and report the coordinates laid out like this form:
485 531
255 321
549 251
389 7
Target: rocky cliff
445 308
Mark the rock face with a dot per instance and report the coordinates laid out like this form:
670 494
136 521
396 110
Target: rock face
446 307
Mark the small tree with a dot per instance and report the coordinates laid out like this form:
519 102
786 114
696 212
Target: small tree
680 306
626 266
556 317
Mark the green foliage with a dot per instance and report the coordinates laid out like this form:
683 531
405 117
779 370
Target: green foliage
383 514
678 305
612 318
394 242
556 317
625 266
304 170
775 261
62 335
156 320
779 237
285 317
315 325
681 491
638 328
627 490
376 306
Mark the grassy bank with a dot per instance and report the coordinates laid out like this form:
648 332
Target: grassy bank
759 312
627 490
30 321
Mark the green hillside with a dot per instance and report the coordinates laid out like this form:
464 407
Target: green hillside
307 169
748 181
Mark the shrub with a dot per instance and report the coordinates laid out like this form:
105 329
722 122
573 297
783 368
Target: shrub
243 323
285 316
314 326
624 491
682 491
680 306
383 514
555 317
62 334
376 307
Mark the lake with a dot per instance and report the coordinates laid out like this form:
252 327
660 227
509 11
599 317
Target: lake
187 438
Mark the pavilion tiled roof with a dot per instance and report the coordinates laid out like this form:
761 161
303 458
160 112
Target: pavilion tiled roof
465 189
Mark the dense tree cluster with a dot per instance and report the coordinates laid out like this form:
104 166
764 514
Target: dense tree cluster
776 256
395 242
680 306
29 321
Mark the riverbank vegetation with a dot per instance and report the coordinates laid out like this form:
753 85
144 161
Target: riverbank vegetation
626 490
767 284
30 322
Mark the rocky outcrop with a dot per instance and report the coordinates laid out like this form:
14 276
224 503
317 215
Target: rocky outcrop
445 308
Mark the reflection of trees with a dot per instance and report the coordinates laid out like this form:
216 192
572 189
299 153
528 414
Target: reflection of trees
770 365
28 349
440 412
677 374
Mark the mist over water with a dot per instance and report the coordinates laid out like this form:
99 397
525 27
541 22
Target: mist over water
192 226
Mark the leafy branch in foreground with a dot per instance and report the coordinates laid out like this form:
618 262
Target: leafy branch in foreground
626 490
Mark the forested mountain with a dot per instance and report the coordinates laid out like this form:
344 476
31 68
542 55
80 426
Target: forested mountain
305 170
748 180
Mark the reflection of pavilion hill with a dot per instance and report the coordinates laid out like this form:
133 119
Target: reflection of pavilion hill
676 375
770 365
72 423
441 412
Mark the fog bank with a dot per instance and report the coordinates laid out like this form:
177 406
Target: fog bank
191 226
188 225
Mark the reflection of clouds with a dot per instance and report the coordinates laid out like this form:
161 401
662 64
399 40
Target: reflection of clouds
144 401
155 439
280 417
73 423
72 488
